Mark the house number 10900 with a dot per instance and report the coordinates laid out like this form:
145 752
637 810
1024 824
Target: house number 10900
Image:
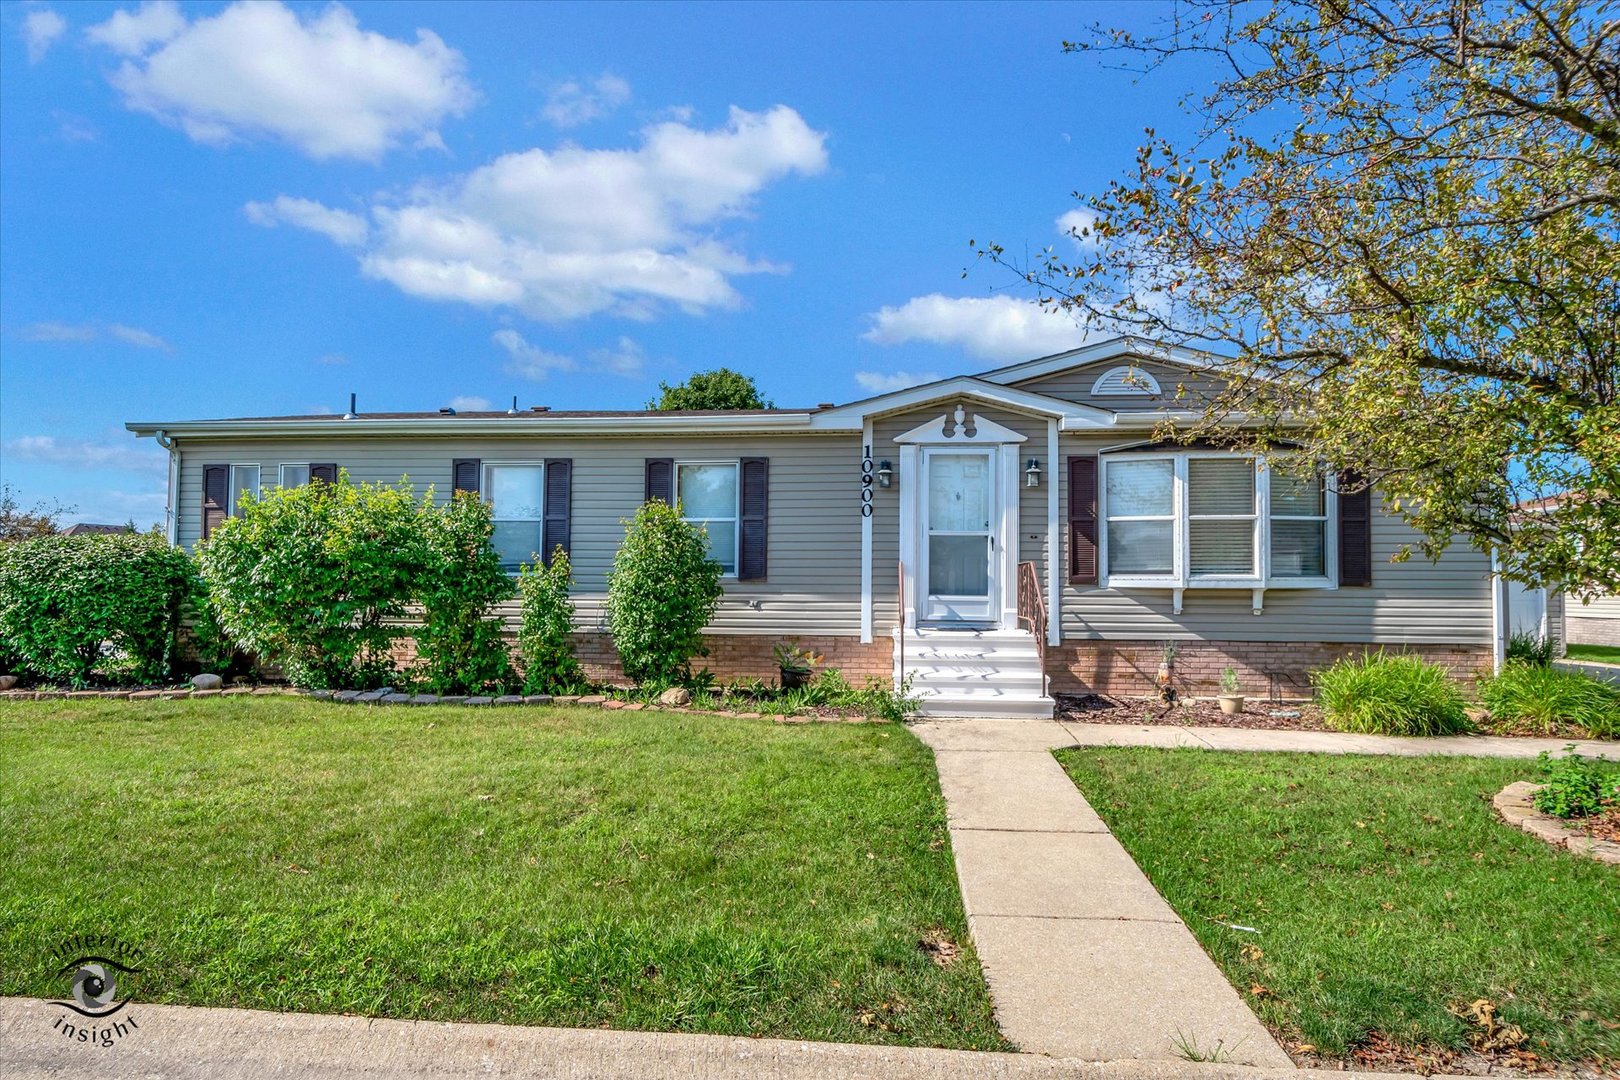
866 481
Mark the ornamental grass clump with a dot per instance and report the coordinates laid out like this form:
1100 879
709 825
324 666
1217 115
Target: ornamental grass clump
1548 699
1383 694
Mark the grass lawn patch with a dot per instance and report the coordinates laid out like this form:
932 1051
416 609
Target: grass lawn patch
1386 891
528 865
1597 654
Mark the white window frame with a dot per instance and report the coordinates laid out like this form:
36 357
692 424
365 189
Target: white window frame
1181 578
281 472
234 490
1184 517
487 493
736 509
1330 534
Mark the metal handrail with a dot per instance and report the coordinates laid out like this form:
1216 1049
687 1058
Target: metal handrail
1032 610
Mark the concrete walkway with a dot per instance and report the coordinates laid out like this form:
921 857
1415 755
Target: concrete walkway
179 1043
1083 957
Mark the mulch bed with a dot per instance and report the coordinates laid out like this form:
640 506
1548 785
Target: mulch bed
1137 712
1604 826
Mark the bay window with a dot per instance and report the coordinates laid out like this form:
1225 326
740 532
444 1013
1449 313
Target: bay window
516 494
1202 519
706 492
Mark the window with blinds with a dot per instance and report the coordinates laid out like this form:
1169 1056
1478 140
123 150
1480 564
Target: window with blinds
1141 500
1221 517
1298 526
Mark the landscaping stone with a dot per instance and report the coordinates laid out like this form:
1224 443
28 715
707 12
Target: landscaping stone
7 682
174 695
117 695
1515 806
424 699
480 701
537 699
265 691
565 699
675 695
206 693
452 699
143 695
634 706
591 699
347 696
614 703
323 695
395 699
206 681
509 699
238 691
370 697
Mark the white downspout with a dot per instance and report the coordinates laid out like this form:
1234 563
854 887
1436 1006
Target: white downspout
171 512
1499 615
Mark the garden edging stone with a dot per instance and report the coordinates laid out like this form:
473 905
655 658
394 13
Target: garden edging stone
1515 806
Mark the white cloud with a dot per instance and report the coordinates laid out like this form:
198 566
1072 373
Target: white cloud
990 327
529 361
1075 224
571 232
259 70
465 403
131 33
71 128
626 358
574 103
127 456
86 332
332 359
339 226
877 382
40 29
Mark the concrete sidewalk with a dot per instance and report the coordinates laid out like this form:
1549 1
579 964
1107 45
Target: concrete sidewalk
1309 742
1083 957
178 1043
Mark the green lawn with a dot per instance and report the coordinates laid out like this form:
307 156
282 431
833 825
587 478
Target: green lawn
1384 890
1601 654
528 865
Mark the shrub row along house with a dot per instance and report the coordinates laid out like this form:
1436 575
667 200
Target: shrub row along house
992 538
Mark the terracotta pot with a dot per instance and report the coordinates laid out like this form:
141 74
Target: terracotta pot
1231 704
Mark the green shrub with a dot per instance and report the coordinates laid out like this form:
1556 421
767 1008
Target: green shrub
1547 698
459 646
70 605
317 579
1390 695
1574 786
1529 648
546 632
662 591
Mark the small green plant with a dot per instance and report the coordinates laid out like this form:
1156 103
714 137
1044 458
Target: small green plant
662 592
1229 681
1548 698
790 657
1574 787
546 628
1390 694
1527 648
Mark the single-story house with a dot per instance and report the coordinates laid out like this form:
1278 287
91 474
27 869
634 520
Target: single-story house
993 538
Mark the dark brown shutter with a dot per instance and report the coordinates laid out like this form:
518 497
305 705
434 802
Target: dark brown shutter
559 503
216 495
1083 520
325 472
755 500
661 480
1355 531
465 473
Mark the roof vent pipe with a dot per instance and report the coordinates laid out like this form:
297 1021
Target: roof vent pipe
513 410
351 414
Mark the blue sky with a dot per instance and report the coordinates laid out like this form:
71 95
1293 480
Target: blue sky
224 210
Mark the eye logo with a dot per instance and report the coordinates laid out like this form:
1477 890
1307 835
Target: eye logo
95 985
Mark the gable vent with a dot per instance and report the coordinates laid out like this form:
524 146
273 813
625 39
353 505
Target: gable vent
1125 382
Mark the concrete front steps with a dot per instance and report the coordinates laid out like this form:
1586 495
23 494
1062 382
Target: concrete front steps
988 673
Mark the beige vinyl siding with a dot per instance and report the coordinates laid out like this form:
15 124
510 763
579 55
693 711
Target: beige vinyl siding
1075 385
1414 602
1598 607
814 556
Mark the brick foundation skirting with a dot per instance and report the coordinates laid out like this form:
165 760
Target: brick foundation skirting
1579 631
730 656
1275 670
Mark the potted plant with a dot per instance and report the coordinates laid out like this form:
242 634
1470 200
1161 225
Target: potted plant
1231 696
795 664
1165 677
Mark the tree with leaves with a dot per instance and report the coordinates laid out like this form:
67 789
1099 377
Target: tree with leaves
17 523
721 388
1397 227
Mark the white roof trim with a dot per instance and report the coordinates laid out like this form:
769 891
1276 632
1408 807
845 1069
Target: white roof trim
502 425
1126 380
1112 349
961 425
1072 416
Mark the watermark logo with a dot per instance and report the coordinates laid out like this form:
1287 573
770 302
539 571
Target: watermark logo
98 971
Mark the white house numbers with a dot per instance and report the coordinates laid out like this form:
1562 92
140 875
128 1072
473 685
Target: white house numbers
866 481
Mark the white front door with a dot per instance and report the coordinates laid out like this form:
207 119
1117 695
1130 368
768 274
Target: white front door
958 561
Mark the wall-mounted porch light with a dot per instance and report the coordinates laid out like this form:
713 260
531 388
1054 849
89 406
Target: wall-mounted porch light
1032 473
885 474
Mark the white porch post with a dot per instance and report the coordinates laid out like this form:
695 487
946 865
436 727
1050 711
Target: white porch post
868 511
909 481
1054 538
1008 534
1499 616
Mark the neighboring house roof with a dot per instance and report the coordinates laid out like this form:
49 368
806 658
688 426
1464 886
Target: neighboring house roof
991 388
88 528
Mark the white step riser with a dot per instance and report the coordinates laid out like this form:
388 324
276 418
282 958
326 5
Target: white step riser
1023 667
981 673
1032 684
1040 708
1004 657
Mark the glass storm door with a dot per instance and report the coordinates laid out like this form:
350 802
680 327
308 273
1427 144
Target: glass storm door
958 553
